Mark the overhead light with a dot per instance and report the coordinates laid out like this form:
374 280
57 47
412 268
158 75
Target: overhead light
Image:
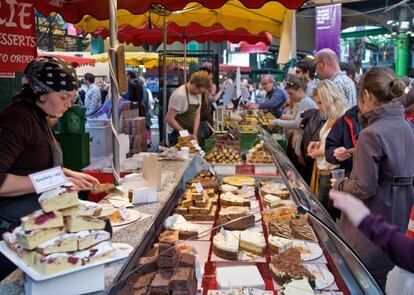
394 33
404 25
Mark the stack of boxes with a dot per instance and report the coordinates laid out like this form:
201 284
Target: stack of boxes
135 127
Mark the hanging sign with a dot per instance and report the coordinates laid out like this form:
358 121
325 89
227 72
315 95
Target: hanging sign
18 37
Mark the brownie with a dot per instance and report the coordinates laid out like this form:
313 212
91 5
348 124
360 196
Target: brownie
159 285
168 261
166 271
192 290
193 210
143 281
181 279
168 237
201 203
187 259
167 249
189 217
181 210
147 264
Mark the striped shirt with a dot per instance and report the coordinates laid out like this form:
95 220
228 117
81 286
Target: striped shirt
346 86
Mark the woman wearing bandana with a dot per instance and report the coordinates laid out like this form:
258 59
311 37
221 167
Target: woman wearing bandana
27 143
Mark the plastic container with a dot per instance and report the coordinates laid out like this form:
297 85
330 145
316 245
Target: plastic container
72 121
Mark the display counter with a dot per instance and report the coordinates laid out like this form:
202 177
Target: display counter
134 234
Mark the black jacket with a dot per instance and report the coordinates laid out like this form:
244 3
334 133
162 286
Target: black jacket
344 133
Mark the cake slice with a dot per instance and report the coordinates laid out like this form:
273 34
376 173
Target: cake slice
59 198
280 229
226 244
253 242
238 222
32 239
278 244
186 229
80 223
59 244
225 188
271 200
90 209
41 220
98 252
56 262
26 256
230 199
88 238
74 210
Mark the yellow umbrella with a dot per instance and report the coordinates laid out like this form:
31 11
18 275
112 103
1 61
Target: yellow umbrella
134 59
232 15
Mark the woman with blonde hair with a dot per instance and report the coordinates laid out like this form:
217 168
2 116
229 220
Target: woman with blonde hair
332 105
383 164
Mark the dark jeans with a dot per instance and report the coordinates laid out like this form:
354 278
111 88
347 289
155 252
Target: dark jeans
324 188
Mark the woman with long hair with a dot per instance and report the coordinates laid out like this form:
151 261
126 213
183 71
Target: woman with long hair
383 164
332 105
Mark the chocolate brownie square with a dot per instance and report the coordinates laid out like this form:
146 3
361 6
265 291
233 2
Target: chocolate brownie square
169 237
143 281
147 264
168 261
181 279
167 250
187 260
159 285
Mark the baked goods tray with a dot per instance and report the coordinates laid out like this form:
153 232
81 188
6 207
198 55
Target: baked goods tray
122 251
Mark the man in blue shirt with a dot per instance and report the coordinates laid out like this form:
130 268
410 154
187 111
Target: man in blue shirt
275 97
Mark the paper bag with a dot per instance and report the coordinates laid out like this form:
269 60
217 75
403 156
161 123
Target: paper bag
151 171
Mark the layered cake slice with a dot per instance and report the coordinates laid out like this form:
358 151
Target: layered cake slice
226 244
280 229
41 220
276 189
240 215
32 239
80 223
88 238
230 199
253 242
186 229
271 200
56 262
62 243
26 256
278 244
303 231
98 252
59 198
225 188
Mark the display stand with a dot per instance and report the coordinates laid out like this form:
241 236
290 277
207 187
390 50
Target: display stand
79 282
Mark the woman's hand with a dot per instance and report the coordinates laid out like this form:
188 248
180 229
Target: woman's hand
342 154
352 207
311 146
286 117
81 181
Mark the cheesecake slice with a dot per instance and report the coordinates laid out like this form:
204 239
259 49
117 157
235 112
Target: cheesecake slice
252 242
80 223
41 220
186 229
59 198
59 244
226 244
98 252
225 188
56 262
240 215
89 238
271 200
278 244
30 240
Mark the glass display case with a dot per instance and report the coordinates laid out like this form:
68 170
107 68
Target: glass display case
355 275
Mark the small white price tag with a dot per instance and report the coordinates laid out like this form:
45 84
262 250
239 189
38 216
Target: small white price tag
245 189
202 153
47 179
199 188
223 232
124 213
184 133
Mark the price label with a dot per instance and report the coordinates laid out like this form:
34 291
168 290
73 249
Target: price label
124 213
202 153
47 179
184 133
224 233
199 188
245 189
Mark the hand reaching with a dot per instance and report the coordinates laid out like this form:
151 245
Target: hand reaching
352 207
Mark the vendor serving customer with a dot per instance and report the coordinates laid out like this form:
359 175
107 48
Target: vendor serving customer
27 143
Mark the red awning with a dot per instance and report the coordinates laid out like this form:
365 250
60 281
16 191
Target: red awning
73 11
75 61
193 32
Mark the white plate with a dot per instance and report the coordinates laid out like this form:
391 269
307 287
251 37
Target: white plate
122 251
313 248
134 215
323 277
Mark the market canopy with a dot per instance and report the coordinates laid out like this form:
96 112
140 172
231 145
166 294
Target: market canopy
193 32
75 61
232 15
133 59
73 11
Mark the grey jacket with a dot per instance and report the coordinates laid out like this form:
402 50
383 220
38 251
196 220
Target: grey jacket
384 151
